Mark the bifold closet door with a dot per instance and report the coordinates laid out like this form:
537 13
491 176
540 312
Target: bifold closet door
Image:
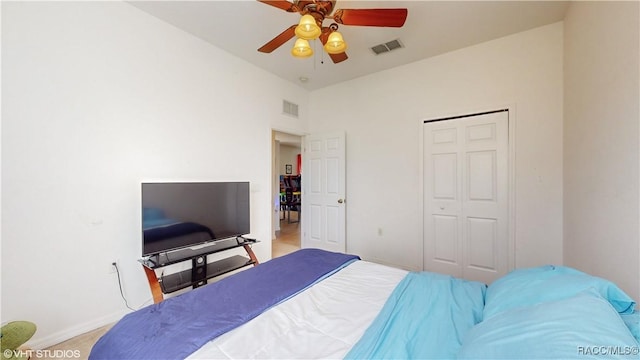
466 196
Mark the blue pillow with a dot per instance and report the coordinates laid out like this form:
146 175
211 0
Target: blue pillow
579 327
633 323
548 283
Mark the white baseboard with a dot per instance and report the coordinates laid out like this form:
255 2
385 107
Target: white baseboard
66 334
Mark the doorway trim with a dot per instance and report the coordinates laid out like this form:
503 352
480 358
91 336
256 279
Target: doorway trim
512 115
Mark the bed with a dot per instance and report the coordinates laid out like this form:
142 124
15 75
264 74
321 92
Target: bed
318 304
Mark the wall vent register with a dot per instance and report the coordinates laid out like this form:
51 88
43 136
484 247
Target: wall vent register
289 108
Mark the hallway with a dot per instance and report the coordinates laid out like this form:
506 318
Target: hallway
288 238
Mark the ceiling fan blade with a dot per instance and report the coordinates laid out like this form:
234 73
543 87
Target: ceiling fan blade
336 58
371 17
277 41
284 5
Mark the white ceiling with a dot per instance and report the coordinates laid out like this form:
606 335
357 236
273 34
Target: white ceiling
432 28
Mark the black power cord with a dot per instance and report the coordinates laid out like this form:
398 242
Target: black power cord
115 265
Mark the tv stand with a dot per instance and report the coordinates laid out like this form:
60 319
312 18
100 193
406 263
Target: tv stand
200 271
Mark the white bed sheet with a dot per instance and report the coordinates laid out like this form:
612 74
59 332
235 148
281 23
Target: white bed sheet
324 321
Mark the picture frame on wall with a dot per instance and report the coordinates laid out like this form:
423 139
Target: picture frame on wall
288 169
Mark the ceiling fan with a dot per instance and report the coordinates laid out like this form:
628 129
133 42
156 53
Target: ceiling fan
314 12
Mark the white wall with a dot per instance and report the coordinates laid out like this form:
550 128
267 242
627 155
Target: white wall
98 97
382 115
601 143
289 155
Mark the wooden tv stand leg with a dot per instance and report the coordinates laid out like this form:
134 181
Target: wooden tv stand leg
154 285
252 256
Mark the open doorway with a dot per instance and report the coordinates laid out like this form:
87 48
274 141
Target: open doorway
287 180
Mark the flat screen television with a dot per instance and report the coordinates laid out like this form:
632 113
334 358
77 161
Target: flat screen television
184 214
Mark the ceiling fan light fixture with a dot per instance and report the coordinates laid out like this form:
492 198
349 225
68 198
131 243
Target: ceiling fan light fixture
302 49
335 43
308 29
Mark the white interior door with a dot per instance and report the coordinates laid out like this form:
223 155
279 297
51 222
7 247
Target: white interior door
466 189
323 198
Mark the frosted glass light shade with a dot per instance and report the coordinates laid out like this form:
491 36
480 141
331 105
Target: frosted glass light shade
335 43
301 49
308 29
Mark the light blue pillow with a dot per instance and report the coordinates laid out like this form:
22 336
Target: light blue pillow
548 283
633 323
579 327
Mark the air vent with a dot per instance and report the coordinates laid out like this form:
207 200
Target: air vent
289 108
386 47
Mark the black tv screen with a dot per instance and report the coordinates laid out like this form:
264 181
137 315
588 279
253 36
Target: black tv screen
178 215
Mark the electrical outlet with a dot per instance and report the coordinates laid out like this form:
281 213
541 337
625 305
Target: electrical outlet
112 267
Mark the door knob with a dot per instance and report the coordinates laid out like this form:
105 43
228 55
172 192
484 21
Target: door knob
340 201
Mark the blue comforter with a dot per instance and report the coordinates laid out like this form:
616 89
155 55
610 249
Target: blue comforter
196 317
425 317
